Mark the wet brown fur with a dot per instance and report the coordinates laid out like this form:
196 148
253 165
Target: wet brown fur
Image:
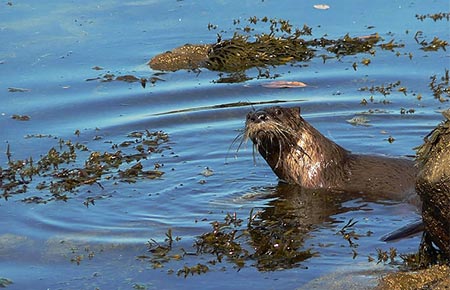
300 154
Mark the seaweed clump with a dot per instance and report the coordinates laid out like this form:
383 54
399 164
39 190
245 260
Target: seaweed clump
240 54
383 89
282 44
267 244
435 17
59 172
441 90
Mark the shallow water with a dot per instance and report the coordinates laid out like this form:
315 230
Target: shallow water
49 49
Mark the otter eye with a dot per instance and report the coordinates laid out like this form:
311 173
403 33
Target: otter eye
278 112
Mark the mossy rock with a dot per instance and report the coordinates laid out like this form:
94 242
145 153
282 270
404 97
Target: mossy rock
435 277
188 56
433 184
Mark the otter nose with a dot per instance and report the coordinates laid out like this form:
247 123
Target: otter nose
257 117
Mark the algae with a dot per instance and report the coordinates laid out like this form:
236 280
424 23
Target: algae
281 44
21 117
70 166
435 17
440 86
264 243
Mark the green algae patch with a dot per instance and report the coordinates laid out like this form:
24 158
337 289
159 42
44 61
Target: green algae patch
69 166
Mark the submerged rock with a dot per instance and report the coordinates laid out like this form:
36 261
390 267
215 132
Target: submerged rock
433 184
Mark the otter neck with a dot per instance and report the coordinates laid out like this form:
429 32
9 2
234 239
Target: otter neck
312 161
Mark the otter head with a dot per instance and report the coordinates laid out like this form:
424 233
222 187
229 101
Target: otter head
273 129
295 150
274 133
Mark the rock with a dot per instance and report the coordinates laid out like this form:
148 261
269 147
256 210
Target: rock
436 277
188 56
433 184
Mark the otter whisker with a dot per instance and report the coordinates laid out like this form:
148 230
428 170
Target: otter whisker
255 146
283 136
243 138
287 134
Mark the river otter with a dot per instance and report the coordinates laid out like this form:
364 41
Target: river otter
300 154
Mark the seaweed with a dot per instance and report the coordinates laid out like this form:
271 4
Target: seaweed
431 140
61 171
20 117
441 90
282 44
267 244
435 17
383 89
434 45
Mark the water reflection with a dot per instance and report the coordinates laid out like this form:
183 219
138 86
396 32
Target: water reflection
277 236
279 232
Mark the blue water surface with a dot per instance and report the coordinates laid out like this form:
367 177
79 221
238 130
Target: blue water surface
49 51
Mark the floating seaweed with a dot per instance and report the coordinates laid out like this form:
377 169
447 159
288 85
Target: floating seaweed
268 244
21 117
435 17
109 77
441 90
282 44
383 89
434 45
58 173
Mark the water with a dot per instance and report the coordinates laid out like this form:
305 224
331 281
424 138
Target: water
50 50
